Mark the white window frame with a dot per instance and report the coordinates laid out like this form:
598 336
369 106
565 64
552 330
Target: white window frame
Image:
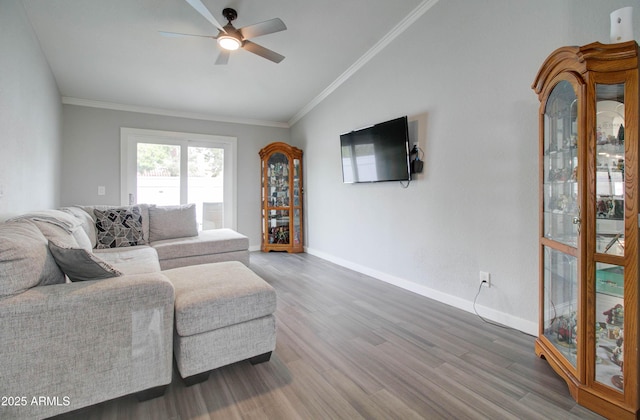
130 137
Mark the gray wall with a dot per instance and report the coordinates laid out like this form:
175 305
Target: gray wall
463 71
91 156
30 118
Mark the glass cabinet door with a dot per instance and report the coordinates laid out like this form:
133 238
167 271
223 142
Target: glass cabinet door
561 220
610 235
297 203
561 302
278 200
610 169
278 222
561 209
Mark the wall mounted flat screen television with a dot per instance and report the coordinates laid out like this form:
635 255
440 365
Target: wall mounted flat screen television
377 153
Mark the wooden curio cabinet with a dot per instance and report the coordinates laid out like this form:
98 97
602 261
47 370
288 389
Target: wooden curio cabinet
588 328
281 198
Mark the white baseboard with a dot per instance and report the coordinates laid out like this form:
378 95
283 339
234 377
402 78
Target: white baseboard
491 314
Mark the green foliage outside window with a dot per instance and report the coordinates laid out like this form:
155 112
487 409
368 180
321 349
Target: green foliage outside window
164 160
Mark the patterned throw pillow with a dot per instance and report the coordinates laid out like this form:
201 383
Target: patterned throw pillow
119 227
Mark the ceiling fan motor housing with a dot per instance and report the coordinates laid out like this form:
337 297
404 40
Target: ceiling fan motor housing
229 14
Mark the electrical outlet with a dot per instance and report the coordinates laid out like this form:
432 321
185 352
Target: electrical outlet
485 279
101 190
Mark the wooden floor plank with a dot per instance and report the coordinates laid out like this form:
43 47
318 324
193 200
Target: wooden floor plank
350 346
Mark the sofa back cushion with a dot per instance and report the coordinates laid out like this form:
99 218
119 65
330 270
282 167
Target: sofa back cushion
87 223
25 260
56 233
169 222
60 226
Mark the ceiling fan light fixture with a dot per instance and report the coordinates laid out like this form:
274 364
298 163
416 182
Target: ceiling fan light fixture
229 43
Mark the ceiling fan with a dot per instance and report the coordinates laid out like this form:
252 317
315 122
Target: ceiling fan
229 38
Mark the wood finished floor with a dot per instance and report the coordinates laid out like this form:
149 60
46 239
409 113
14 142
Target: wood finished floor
349 347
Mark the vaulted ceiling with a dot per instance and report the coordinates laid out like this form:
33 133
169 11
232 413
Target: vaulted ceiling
110 53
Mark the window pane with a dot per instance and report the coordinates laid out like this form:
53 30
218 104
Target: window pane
157 167
206 185
158 174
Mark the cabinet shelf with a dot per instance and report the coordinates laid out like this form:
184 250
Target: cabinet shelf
561 152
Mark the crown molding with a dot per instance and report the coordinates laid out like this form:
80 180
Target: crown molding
379 46
169 113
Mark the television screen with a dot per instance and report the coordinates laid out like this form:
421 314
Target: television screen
377 153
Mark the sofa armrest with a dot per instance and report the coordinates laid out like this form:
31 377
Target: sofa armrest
86 342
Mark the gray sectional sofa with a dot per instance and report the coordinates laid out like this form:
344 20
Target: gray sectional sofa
173 234
87 312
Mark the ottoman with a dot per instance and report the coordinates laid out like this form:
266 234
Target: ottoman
223 314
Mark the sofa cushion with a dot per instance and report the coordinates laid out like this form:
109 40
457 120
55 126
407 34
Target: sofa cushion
207 242
242 256
25 260
169 222
131 260
80 265
82 239
56 217
87 223
56 233
119 227
212 296
59 226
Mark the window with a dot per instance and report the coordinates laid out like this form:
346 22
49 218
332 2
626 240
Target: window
170 168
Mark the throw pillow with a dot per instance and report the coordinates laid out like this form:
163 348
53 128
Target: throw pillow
169 222
119 227
80 265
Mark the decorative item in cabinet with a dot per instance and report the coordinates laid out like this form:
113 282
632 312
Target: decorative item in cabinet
589 320
281 198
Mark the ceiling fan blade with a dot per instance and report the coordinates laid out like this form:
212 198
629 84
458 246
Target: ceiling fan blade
262 28
197 4
262 51
180 35
223 57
